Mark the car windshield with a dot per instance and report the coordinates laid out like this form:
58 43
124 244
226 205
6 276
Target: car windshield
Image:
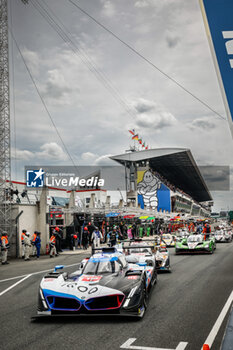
96 267
140 250
166 237
162 249
195 239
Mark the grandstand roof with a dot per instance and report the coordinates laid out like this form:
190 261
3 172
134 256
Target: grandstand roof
177 165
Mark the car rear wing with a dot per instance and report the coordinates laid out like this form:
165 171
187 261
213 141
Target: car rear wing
139 240
105 249
138 246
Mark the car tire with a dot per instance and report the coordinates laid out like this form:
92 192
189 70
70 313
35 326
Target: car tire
144 303
154 278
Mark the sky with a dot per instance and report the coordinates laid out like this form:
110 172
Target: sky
97 89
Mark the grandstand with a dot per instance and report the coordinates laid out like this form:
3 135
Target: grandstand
177 170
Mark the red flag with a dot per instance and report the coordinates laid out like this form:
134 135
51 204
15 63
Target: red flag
146 147
140 141
131 132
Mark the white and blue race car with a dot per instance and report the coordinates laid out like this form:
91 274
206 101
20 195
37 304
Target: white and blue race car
103 284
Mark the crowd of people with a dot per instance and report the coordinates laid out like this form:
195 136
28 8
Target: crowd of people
175 189
92 235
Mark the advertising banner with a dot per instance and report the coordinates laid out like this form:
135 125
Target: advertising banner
218 20
152 192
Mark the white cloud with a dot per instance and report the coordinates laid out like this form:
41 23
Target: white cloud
88 156
108 8
32 59
104 160
17 154
52 151
57 88
47 151
172 40
142 3
151 116
203 123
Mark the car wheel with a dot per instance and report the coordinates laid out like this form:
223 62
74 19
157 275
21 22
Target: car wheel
143 307
154 278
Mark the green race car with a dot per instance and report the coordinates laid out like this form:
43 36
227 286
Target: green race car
195 244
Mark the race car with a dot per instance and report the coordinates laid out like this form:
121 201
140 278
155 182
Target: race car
195 244
153 254
168 240
162 259
181 234
223 236
103 284
140 251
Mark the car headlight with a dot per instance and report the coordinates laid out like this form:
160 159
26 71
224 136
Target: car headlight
131 294
43 299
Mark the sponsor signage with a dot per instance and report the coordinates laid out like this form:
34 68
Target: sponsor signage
218 19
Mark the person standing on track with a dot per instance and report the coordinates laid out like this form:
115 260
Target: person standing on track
206 231
141 231
85 238
5 247
22 243
52 243
38 244
113 237
96 237
27 244
148 231
33 243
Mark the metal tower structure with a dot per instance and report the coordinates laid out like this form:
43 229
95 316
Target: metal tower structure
5 155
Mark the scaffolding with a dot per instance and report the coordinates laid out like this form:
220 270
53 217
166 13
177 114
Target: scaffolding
5 157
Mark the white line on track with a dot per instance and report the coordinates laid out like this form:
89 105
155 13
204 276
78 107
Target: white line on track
214 331
130 341
14 285
34 273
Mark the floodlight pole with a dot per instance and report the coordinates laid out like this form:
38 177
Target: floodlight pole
5 157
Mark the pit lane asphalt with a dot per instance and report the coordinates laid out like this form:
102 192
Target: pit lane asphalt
183 306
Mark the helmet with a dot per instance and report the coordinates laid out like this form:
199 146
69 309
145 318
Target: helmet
27 233
85 228
75 236
4 233
57 229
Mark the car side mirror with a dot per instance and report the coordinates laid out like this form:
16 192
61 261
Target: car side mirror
58 267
